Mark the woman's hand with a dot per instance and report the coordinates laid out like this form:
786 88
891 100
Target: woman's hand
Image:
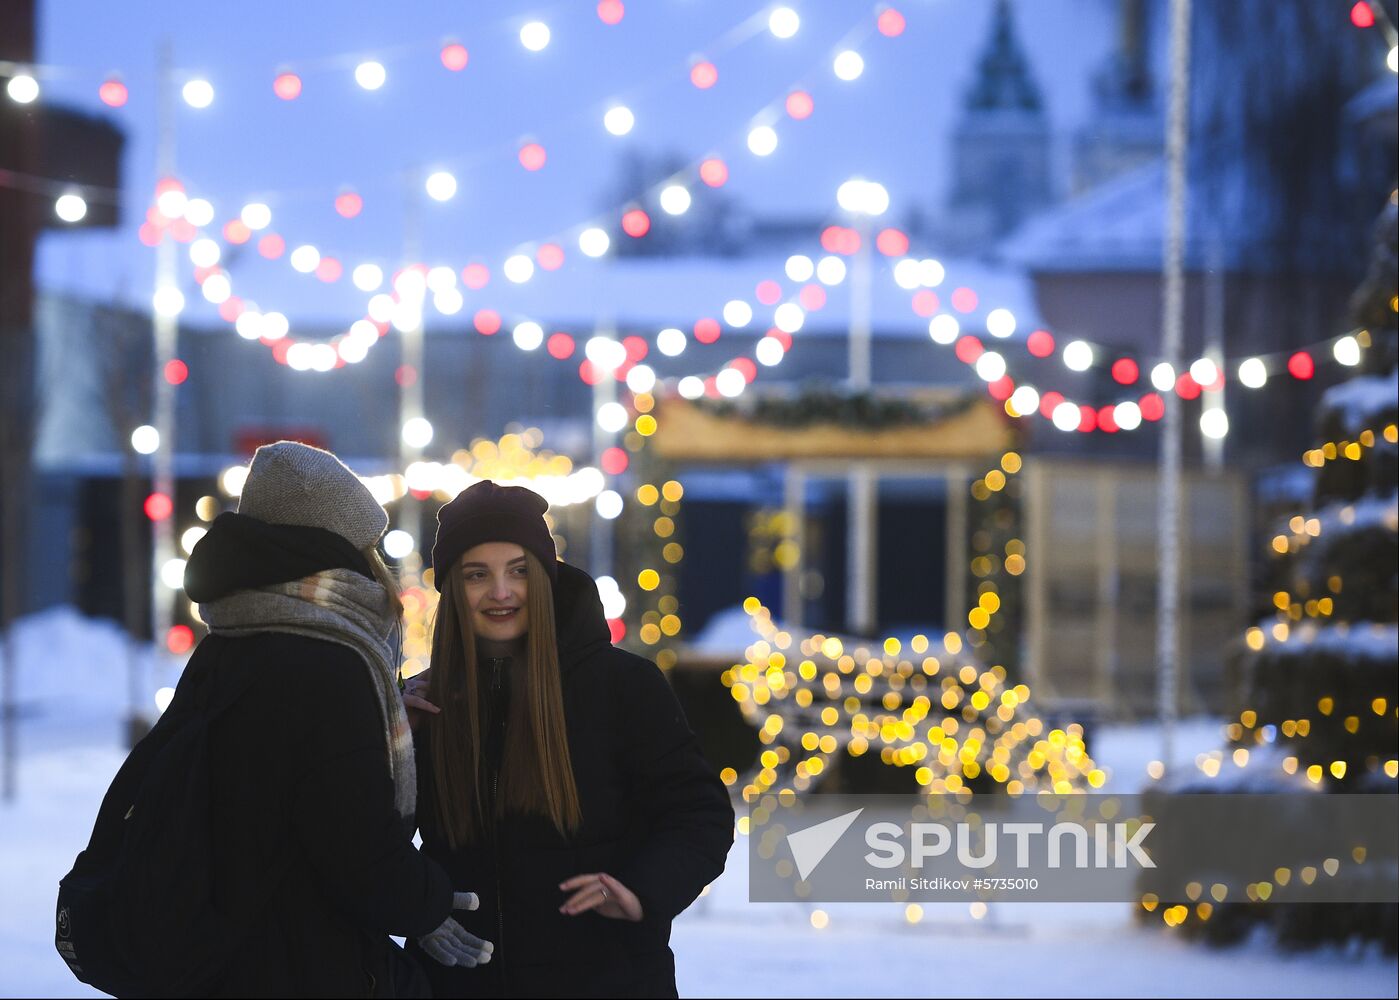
600 892
414 702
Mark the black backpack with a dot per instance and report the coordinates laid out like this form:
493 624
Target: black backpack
136 916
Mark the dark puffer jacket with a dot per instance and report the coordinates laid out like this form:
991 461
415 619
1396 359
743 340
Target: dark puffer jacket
307 844
305 829
655 816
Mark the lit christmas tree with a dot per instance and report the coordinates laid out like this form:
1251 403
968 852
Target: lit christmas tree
1319 686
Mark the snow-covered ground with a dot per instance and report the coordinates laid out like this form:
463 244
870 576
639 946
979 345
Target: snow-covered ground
72 692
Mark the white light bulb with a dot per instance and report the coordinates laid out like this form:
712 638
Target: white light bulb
850 196
788 317
1067 416
23 89
1347 351
670 342
1204 371
931 273
528 335
675 199
642 378
204 252
410 284
407 315
619 120
381 308
1253 373
738 313
606 353
1392 60
368 277
1000 323
1127 415
612 417
198 93
305 258
199 212
849 65
944 329
352 351
145 440
299 357
784 22
398 544
691 387
163 697
256 215
370 75
70 207
906 274
990 366
609 506
249 324
830 270
518 268
191 538
1078 356
441 278
875 199
1025 400
1163 377
417 432
275 326
800 268
730 382
172 203
762 140
172 574
770 352
323 357
231 480
168 301
217 288
448 302
535 36
441 186
1214 423
594 241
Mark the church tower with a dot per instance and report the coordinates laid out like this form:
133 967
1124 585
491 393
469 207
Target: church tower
1001 147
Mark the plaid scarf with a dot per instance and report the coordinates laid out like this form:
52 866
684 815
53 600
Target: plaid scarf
344 607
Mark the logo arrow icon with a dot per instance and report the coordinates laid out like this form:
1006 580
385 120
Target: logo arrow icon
810 846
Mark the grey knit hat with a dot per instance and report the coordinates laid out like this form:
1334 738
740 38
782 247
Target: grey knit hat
293 483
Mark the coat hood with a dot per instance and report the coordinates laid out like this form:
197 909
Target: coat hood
579 622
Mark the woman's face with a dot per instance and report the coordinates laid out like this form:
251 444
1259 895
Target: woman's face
496 584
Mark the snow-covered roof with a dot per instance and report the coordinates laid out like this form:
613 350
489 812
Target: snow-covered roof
1117 226
1362 400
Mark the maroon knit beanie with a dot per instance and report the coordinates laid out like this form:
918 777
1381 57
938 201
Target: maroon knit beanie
486 512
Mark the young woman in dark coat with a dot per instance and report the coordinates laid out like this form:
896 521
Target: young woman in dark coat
311 769
558 775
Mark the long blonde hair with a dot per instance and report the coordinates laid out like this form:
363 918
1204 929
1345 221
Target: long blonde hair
536 773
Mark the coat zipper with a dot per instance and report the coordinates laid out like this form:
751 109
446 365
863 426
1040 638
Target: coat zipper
499 725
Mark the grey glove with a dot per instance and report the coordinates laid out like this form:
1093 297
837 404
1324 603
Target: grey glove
451 944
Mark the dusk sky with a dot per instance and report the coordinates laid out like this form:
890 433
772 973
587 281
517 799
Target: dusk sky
891 125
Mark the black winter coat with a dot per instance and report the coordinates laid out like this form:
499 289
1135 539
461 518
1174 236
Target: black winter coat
655 816
307 841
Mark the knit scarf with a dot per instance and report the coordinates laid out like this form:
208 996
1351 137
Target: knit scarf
344 607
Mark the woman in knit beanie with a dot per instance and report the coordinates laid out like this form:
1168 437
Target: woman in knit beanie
312 776
557 773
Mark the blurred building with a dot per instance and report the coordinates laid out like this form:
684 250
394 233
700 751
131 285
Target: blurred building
1077 251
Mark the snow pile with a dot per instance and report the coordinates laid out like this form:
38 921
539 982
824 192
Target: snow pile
1362 401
